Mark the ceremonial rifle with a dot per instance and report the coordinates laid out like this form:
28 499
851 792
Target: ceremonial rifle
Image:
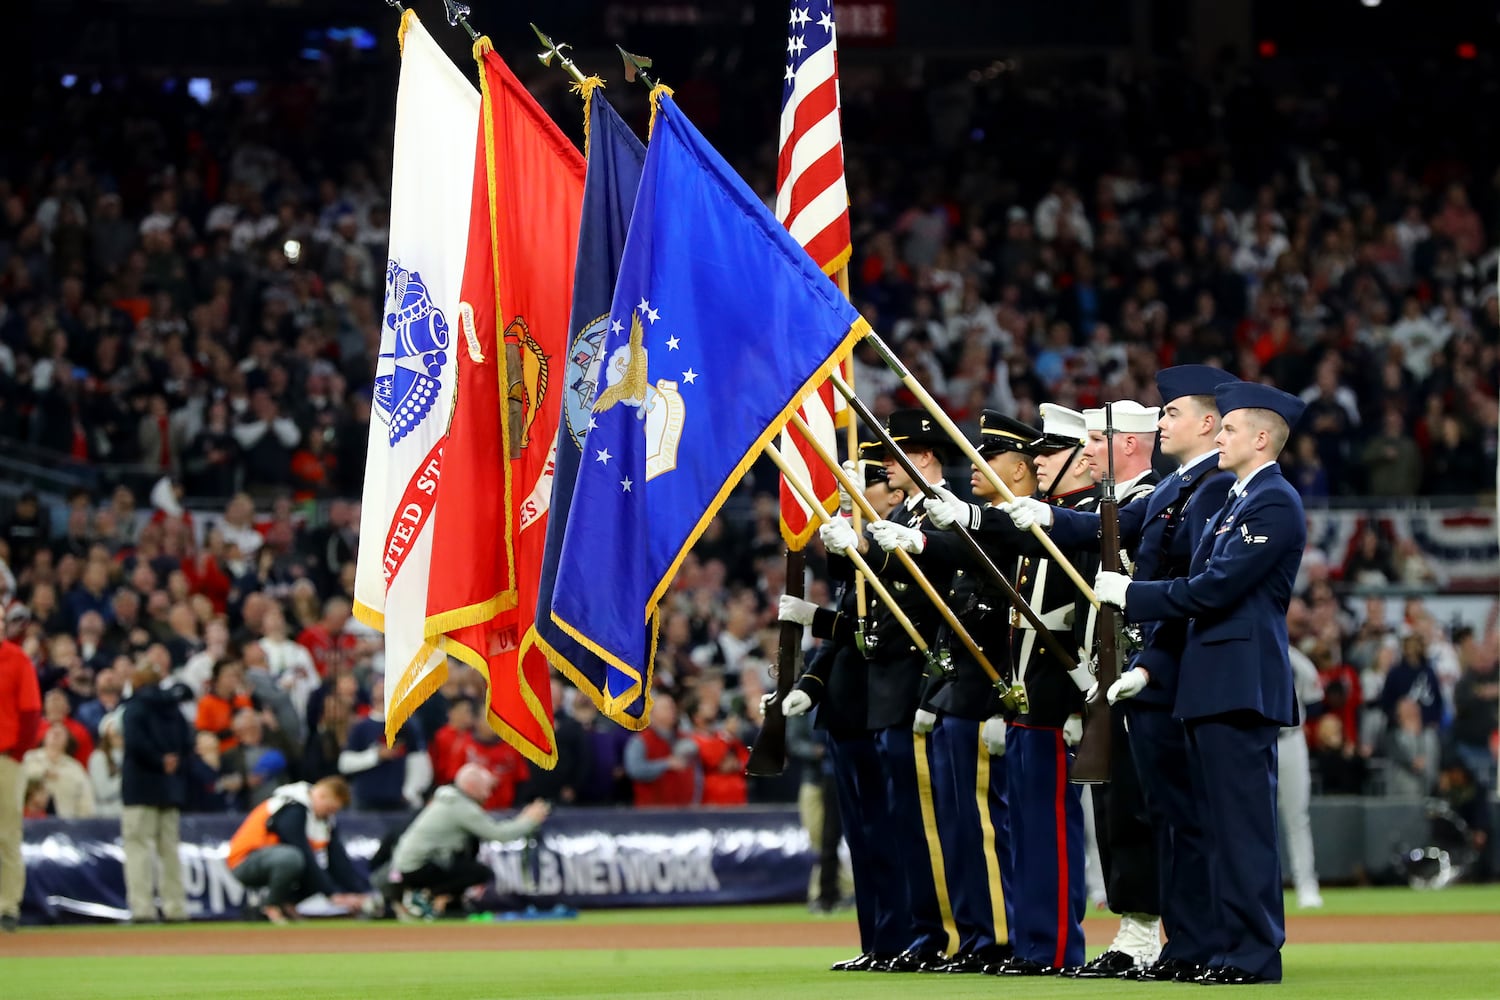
1091 766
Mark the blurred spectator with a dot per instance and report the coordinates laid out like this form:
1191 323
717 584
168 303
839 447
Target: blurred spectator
721 755
607 783
449 746
227 695
502 760
1413 749
105 767
260 758
289 847
389 778
661 761
210 790
562 782
56 711
1476 709
435 861
154 790
1412 678
1370 564
20 713
1392 462
1337 762
66 781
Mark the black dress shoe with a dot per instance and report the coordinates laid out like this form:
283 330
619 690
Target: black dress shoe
877 963
1166 970
1229 975
1018 966
919 961
963 963
1110 965
855 964
971 962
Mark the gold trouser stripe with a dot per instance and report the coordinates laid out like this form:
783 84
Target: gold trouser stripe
992 846
934 846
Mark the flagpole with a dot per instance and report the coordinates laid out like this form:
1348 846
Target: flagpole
555 50
972 454
458 16
805 492
861 603
861 504
975 549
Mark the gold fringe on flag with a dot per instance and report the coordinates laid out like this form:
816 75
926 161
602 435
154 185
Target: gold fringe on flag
585 89
657 93
407 17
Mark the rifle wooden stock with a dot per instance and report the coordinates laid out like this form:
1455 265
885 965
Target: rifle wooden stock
1091 765
768 756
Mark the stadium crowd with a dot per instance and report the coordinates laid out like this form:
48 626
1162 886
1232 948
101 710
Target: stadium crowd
190 308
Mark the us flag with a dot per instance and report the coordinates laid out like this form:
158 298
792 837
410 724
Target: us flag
813 203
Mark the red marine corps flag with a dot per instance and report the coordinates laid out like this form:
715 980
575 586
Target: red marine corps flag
512 340
437 118
813 203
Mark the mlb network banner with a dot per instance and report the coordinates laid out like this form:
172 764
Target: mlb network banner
586 858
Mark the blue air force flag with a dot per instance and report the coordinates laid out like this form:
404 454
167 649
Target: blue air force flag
719 327
615 159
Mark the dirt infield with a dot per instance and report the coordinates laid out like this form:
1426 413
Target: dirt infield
311 938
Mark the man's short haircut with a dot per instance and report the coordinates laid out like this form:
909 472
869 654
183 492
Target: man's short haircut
1206 403
337 787
1273 424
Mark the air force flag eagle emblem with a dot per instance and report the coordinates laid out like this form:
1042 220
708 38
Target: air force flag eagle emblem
408 379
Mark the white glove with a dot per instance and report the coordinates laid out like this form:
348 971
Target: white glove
1110 588
1026 511
797 703
923 722
892 536
1073 730
1129 684
838 536
945 510
992 735
795 609
846 502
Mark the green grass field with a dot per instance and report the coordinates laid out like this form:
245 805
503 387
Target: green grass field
1325 972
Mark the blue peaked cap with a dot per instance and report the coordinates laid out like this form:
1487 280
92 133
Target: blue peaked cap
1253 395
1190 380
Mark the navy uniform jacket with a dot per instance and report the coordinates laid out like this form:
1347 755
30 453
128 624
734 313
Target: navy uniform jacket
1051 694
1235 598
896 666
1160 532
835 678
965 690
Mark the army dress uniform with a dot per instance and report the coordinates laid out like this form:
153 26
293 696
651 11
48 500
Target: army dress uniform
836 683
896 679
968 785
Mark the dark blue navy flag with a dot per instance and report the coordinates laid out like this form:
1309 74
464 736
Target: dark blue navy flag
615 159
720 325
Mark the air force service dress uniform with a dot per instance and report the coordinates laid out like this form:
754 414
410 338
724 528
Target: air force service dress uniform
1235 689
897 675
835 682
1161 534
968 784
